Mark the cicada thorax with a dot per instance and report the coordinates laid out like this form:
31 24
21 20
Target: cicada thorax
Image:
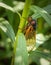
30 34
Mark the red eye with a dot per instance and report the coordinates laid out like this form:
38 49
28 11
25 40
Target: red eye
33 22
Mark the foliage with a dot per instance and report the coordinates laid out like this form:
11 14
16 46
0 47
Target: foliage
13 15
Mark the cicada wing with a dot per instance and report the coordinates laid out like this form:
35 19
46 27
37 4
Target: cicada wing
30 36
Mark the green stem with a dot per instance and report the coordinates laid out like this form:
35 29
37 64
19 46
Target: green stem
22 22
24 15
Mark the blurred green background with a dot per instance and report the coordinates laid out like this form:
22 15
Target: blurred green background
10 13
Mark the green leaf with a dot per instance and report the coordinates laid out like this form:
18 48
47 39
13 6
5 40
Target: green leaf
9 8
21 57
36 15
39 54
43 13
6 27
48 8
6 6
18 5
47 44
16 22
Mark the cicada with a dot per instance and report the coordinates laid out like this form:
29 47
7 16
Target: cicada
30 33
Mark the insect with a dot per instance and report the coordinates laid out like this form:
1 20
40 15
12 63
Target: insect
30 31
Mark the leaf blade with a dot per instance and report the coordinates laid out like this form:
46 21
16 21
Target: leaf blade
21 57
43 13
6 27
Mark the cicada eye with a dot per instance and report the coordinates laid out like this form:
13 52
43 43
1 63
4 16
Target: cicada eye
33 22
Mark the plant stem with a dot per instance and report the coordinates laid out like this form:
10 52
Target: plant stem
22 22
24 15
23 18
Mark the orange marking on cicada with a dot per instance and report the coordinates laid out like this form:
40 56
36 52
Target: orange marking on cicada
28 30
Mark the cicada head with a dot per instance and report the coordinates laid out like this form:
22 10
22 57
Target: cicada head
33 23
